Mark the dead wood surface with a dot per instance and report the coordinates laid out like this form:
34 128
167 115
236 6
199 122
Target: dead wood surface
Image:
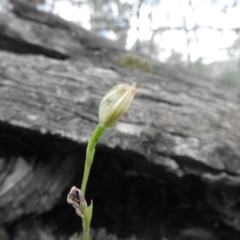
182 131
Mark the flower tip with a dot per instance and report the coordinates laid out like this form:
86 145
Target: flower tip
134 89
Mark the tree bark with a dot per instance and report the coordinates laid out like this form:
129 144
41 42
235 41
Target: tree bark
169 169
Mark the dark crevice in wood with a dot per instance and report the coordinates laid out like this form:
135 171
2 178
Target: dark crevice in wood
160 100
131 195
178 134
17 46
193 165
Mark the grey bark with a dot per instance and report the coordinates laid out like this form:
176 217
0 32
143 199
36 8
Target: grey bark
181 137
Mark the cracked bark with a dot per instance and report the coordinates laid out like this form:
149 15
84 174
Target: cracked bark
173 159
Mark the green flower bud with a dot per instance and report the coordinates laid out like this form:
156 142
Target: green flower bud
115 103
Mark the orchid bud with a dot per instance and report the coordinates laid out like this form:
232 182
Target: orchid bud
115 103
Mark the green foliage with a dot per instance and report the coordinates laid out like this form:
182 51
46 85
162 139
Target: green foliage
229 76
175 57
200 67
134 62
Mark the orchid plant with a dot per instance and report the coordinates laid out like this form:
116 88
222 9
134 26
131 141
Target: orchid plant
113 105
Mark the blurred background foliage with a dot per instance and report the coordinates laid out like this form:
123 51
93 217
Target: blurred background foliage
201 35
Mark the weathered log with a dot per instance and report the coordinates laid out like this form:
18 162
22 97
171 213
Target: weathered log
170 167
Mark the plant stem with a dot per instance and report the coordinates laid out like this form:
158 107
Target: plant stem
90 154
86 229
87 167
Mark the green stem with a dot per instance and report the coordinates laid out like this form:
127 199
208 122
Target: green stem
86 229
87 167
90 154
